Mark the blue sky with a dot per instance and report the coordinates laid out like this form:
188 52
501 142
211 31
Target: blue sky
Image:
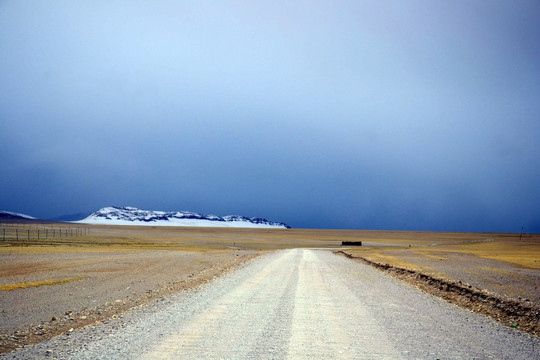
411 115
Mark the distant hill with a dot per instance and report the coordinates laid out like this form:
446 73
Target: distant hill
13 217
133 216
8 215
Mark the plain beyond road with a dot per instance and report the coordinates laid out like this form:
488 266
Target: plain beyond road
295 304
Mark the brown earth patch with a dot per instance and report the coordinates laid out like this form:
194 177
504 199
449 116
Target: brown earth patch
111 283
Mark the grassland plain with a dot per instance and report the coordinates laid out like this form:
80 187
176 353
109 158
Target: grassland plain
71 281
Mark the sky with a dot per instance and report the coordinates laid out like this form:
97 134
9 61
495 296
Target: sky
408 115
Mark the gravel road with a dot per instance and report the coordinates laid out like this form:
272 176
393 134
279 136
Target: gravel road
295 304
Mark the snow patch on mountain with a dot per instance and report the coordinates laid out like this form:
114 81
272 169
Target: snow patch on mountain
133 216
9 214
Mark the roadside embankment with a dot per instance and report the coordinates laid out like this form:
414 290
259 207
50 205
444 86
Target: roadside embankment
520 314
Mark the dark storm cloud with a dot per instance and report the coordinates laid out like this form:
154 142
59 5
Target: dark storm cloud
419 115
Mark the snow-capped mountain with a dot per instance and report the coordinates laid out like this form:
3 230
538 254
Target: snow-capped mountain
14 215
132 216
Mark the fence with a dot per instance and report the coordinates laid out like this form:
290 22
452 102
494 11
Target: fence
25 232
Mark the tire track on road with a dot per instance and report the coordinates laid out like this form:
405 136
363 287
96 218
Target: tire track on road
329 320
251 321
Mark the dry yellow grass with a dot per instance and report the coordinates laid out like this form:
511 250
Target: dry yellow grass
392 260
431 255
524 253
434 245
141 238
381 256
509 248
24 285
495 270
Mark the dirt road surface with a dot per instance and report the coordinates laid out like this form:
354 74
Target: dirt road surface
295 304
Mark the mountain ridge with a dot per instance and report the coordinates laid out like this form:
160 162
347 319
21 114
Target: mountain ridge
127 215
13 215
